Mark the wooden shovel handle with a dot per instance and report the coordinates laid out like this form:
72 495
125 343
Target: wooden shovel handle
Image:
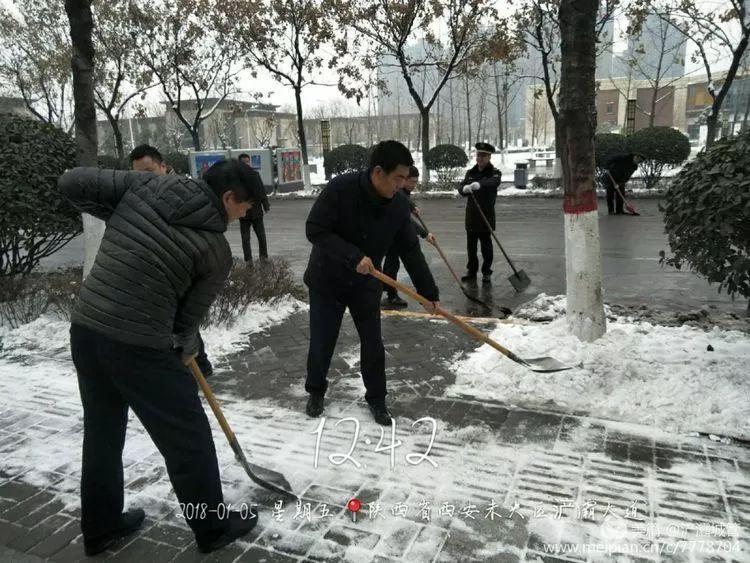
467 328
211 398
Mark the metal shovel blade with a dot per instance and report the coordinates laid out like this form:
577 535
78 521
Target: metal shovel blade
520 281
546 364
266 478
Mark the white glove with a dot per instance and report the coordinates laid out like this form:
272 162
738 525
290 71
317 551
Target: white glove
474 186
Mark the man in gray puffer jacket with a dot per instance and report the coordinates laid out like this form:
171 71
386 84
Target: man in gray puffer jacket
161 263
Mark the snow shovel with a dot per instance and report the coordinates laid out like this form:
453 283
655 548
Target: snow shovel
266 478
452 271
628 207
543 364
519 280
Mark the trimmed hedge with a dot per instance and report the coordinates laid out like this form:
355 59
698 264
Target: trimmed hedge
707 216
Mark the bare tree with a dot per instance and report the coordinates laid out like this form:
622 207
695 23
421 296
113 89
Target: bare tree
192 60
120 75
577 125
35 54
705 26
386 30
539 29
288 39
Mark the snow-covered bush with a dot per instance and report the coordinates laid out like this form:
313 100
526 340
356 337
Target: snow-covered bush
662 148
35 220
707 215
446 160
346 158
25 298
265 281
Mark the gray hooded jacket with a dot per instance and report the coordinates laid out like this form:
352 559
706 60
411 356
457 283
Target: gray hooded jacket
163 258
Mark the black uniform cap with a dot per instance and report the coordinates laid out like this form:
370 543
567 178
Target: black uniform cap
485 147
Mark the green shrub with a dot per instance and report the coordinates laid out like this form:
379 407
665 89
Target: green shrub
267 280
662 148
607 145
707 215
446 160
25 298
35 220
346 158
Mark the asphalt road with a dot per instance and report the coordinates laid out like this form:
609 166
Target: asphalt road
531 230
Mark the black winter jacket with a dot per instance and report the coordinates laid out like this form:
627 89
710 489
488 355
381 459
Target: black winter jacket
256 211
349 221
622 167
412 206
163 258
486 195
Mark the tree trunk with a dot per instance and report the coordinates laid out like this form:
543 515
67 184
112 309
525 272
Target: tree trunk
301 125
195 135
577 126
712 125
468 109
498 100
425 121
82 63
453 114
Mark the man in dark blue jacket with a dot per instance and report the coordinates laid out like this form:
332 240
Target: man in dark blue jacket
391 262
482 182
162 261
352 224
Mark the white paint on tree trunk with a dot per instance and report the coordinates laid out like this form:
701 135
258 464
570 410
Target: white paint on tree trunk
306 176
583 269
93 231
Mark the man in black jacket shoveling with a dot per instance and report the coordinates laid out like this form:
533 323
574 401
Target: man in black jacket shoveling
145 158
617 172
482 180
162 261
391 262
352 224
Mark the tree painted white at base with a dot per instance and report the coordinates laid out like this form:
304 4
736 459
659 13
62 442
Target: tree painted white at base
93 231
583 276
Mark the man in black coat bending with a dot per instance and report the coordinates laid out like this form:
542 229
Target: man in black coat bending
482 181
617 172
353 223
391 262
162 261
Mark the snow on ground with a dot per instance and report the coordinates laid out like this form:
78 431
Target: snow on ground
41 380
663 377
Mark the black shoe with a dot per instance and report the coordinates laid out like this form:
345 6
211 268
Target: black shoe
237 527
395 301
469 277
130 522
381 414
315 405
486 278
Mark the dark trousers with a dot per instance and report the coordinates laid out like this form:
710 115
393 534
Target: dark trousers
113 376
614 200
485 240
325 321
260 232
390 268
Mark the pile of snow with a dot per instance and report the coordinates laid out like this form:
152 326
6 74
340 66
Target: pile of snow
664 377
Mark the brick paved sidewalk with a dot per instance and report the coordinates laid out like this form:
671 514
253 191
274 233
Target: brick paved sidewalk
510 482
